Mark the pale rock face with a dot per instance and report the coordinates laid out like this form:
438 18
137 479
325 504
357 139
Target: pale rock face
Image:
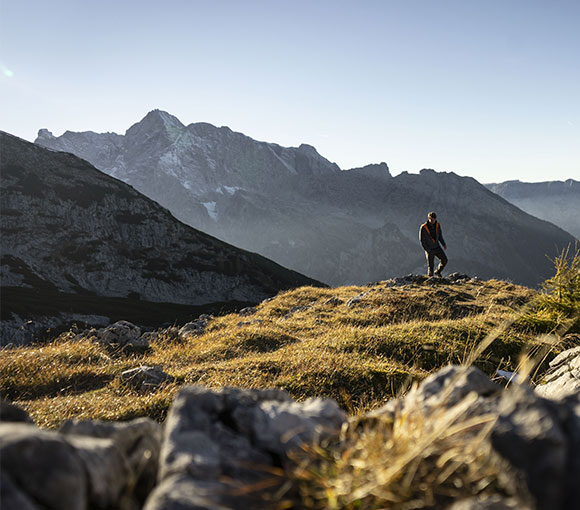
563 377
231 434
300 210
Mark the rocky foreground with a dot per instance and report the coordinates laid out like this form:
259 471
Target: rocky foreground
240 449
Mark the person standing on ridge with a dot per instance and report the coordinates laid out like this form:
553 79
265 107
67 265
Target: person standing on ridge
430 236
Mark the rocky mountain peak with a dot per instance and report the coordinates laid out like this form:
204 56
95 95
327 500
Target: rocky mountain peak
377 171
309 161
156 122
162 116
304 147
44 133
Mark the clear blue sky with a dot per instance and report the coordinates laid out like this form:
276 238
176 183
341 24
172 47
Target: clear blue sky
489 89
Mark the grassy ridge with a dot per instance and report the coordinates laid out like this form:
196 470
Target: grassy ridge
308 341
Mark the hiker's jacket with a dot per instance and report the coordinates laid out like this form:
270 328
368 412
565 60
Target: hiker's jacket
431 236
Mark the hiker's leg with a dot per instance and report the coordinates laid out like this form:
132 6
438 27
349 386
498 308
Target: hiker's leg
430 262
440 254
442 259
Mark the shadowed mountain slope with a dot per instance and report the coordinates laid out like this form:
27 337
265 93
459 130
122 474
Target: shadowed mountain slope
74 233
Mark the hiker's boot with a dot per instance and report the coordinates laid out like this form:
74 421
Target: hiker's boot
438 273
429 273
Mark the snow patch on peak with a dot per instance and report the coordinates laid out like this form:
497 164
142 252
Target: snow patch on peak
211 209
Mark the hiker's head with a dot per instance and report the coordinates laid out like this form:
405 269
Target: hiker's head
432 217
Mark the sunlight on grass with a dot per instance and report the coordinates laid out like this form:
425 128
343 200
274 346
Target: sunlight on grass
322 342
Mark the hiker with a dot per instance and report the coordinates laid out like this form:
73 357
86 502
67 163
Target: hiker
430 236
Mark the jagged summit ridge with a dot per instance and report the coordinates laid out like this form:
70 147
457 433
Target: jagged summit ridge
297 208
159 130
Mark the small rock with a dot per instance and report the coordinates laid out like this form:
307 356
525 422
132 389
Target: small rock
249 310
334 301
196 327
354 301
146 338
121 333
249 323
458 278
295 309
145 378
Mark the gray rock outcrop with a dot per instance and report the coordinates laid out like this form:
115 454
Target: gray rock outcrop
237 435
83 467
538 438
194 328
563 376
232 449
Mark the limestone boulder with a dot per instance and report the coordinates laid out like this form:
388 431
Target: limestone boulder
234 435
145 378
85 465
563 376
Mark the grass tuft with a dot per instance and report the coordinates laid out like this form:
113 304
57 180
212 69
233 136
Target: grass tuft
557 308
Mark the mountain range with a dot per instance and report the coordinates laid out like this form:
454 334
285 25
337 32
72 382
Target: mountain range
79 245
555 201
297 208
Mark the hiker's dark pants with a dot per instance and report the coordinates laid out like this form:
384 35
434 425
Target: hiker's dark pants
440 254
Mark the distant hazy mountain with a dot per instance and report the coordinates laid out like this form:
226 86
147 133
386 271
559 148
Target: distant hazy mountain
555 201
71 233
297 208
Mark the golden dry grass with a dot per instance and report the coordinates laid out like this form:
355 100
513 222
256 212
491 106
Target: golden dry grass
412 460
306 341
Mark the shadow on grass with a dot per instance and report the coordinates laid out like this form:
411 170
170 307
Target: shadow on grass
72 385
